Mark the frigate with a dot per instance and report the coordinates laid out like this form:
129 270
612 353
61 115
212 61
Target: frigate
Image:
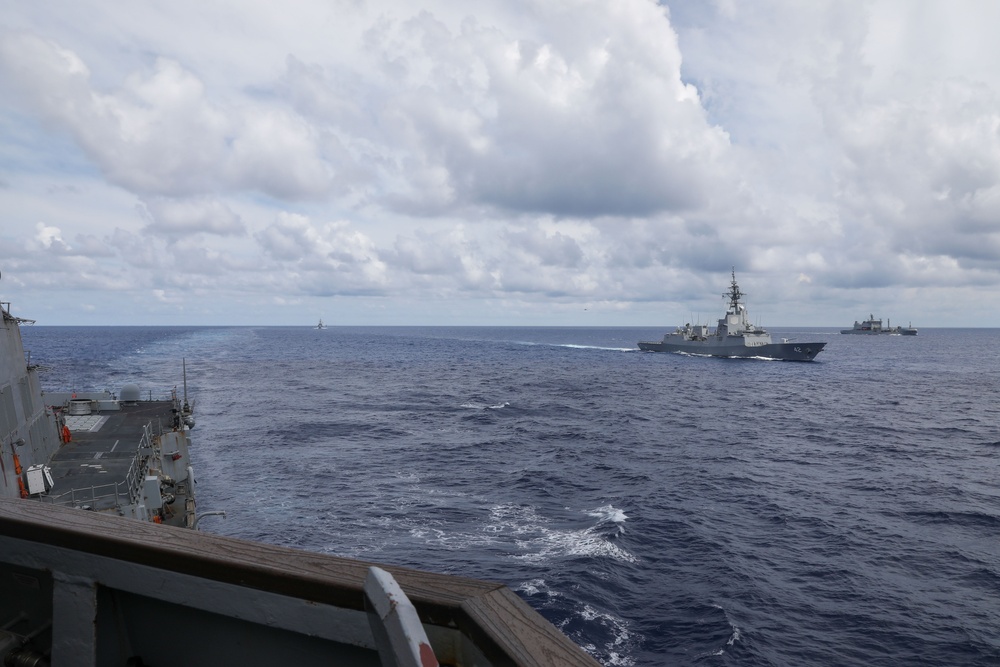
102 561
735 336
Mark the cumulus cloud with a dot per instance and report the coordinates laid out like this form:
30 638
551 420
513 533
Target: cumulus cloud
325 257
585 116
155 135
159 133
50 238
173 217
619 153
432 254
92 246
547 249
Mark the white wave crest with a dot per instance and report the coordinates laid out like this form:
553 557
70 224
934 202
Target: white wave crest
537 587
608 514
734 635
621 636
538 542
597 347
482 406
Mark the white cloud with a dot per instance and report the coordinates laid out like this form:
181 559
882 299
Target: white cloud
187 216
325 258
50 238
587 116
503 155
432 254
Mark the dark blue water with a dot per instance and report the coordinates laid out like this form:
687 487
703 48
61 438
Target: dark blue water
659 509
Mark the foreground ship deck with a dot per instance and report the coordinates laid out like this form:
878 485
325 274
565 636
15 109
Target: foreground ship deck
99 564
122 455
88 588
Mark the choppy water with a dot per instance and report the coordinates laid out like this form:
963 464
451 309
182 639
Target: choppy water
660 509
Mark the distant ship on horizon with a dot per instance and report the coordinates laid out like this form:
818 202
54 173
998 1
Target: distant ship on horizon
872 327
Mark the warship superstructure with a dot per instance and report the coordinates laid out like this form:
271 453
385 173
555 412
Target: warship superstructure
734 336
99 564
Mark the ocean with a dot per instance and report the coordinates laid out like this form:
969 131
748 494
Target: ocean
660 509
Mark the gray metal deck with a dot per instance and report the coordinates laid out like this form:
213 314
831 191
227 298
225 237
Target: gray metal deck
98 468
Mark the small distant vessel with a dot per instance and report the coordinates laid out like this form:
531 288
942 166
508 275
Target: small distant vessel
872 327
735 336
321 325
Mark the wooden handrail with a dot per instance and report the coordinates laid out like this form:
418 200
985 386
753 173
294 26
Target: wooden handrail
504 627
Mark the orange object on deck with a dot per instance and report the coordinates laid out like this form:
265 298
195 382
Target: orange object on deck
18 470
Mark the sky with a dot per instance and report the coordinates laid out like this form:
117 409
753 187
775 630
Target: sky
514 162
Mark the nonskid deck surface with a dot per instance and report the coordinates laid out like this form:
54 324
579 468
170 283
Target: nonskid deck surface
102 451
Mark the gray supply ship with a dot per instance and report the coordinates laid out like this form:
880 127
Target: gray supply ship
873 327
99 564
734 336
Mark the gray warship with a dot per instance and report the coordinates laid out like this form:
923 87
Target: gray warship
102 562
734 336
873 327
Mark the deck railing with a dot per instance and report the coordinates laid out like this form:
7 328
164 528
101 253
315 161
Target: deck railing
113 589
